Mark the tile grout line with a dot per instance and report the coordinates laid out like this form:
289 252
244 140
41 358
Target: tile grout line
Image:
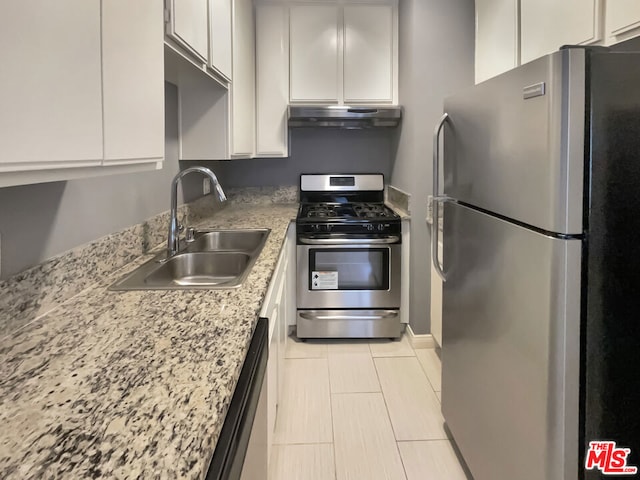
427 375
427 440
303 443
356 393
395 437
333 427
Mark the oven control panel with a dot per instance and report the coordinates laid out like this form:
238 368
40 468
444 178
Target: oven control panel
352 228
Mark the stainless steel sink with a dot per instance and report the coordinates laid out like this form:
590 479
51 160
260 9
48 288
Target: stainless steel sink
234 240
216 259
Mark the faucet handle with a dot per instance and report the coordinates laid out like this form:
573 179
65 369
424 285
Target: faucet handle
182 223
190 234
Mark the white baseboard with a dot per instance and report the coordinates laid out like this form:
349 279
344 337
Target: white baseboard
420 341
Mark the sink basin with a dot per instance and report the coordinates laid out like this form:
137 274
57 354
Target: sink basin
199 268
216 259
234 240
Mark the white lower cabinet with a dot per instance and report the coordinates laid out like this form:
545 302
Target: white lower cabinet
277 307
272 377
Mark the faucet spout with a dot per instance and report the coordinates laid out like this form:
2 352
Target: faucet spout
173 240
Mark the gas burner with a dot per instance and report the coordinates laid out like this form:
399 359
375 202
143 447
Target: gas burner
322 211
372 210
368 210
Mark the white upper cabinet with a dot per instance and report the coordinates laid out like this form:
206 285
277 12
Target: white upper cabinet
243 94
217 118
368 53
83 93
546 25
622 20
220 36
50 85
272 80
133 80
315 45
497 37
188 25
330 53
200 32
344 53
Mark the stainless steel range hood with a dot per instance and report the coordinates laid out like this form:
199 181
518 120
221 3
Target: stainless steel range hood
343 116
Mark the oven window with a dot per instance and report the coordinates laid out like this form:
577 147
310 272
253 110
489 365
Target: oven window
349 269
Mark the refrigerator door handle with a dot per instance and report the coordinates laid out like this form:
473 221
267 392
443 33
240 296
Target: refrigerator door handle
437 198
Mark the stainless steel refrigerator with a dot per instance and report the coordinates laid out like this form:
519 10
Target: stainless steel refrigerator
541 302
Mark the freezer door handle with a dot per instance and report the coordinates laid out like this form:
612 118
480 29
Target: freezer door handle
437 198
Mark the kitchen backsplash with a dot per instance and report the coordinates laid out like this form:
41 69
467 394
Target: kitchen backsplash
37 290
260 195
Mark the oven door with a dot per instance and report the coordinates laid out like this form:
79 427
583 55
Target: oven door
336 273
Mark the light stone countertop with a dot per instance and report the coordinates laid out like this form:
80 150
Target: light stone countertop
132 384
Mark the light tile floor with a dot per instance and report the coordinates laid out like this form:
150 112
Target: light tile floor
361 410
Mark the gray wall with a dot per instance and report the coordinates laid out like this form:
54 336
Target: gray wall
313 151
436 60
43 220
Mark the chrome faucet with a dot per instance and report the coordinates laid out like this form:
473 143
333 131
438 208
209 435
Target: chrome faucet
173 241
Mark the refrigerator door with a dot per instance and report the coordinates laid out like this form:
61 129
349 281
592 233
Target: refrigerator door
510 353
514 145
612 277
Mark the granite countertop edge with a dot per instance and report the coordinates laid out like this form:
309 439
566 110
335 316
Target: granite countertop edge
132 384
403 214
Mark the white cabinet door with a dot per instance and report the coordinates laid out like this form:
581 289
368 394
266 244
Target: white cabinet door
133 81
243 87
220 36
623 20
368 53
548 24
272 80
315 46
497 45
275 309
189 25
50 85
272 377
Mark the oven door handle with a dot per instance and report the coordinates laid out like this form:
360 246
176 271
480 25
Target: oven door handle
350 241
375 314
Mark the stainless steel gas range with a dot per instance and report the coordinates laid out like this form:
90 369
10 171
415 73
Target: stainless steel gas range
348 258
